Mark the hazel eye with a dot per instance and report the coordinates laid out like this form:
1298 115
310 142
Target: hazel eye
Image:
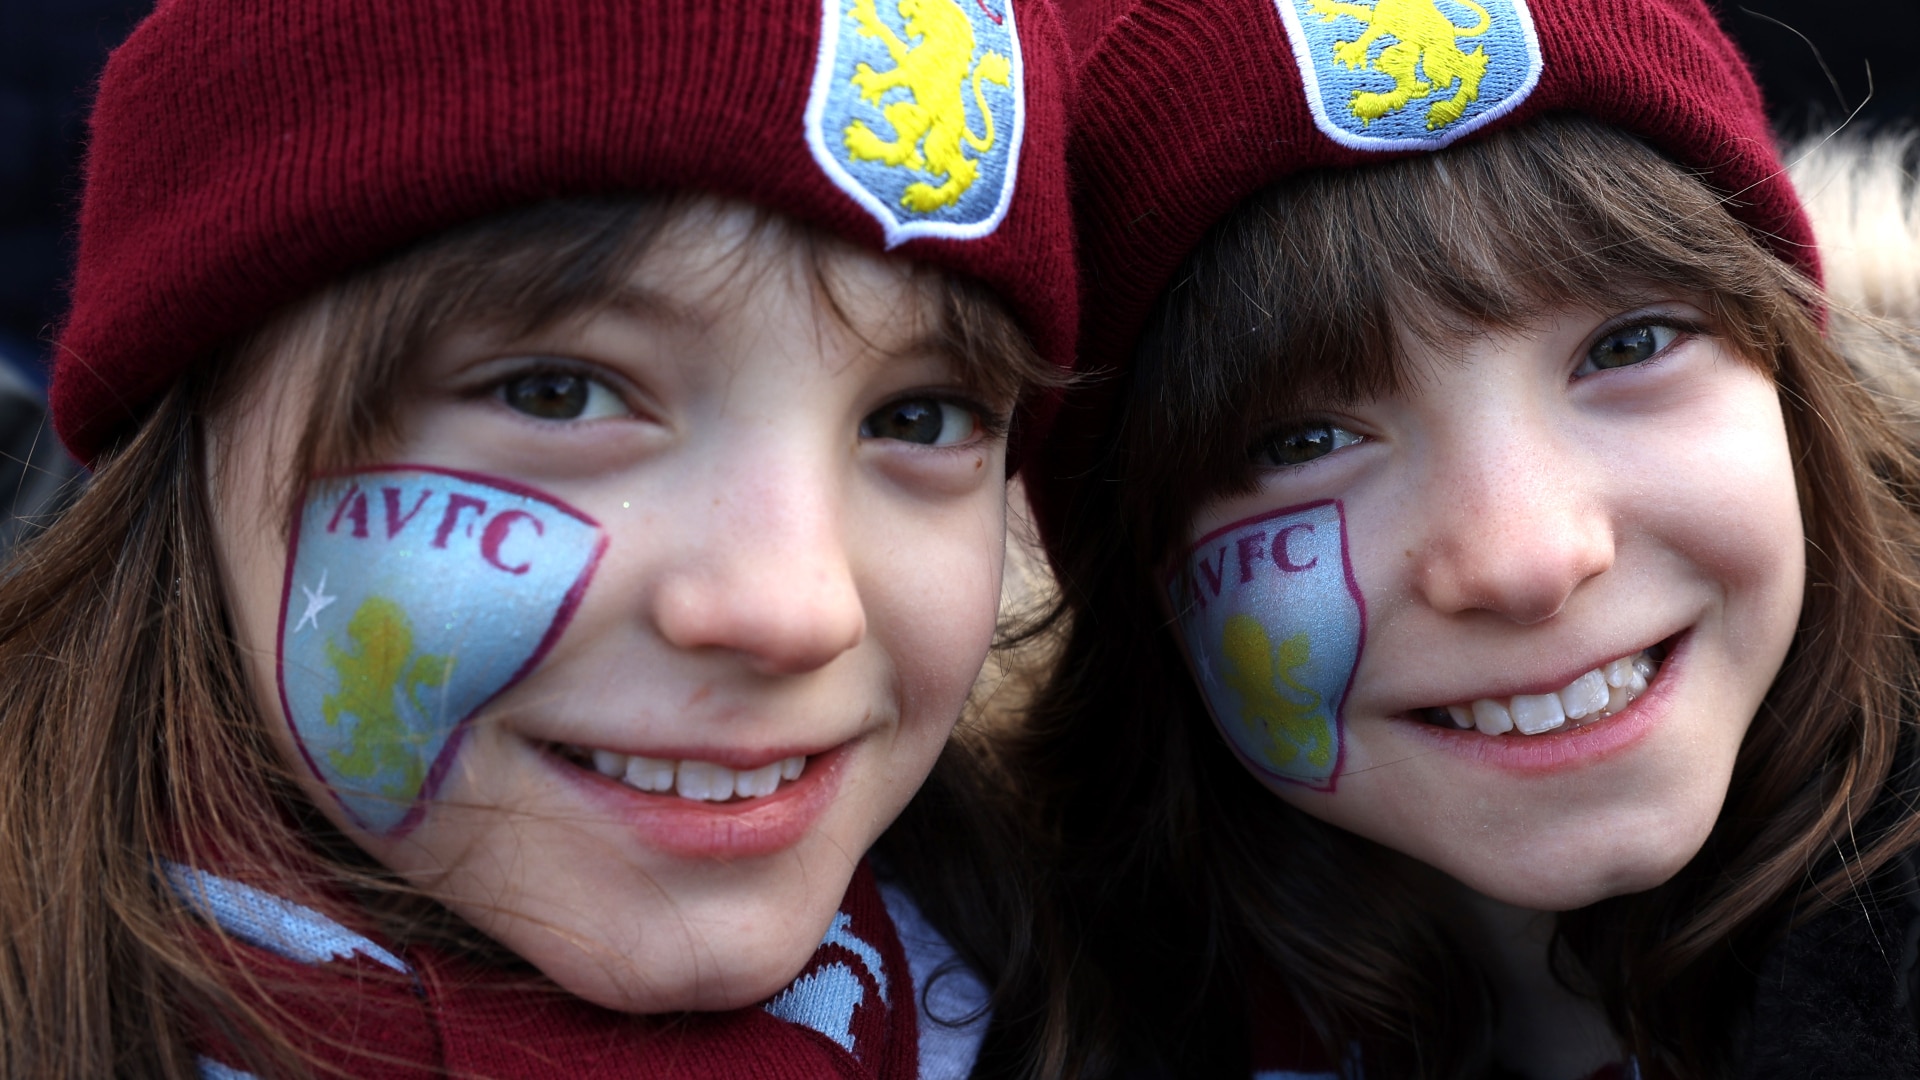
1298 444
924 421
1627 346
561 395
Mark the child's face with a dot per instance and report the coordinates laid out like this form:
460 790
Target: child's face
803 525
1537 507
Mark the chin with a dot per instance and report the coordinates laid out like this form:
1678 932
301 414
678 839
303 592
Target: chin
711 994
1573 887
716 983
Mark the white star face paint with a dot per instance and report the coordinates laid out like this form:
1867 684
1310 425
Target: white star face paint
1274 624
423 594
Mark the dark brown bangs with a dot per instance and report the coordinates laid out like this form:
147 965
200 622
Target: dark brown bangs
515 274
994 356
958 318
1297 300
528 270
961 320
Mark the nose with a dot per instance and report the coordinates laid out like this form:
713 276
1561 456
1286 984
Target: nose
1517 523
768 578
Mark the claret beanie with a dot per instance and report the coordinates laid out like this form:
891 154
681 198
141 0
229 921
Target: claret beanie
1186 108
245 153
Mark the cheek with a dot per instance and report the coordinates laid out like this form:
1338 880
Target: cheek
412 597
253 569
933 611
1734 514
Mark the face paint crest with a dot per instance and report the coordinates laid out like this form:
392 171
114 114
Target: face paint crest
415 595
1273 624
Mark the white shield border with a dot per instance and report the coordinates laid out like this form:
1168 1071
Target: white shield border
1310 76
898 233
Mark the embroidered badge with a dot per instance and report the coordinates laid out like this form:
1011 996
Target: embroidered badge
1411 74
413 597
917 112
1274 624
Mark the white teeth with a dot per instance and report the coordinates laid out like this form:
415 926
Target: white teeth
1584 696
700 780
649 774
703 780
757 782
1535 713
1491 717
1593 696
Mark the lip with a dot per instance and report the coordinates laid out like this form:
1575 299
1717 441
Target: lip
1553 684
728 757
1569 747
742 829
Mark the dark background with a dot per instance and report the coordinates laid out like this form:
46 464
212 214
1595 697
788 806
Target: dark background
50 53
1786 40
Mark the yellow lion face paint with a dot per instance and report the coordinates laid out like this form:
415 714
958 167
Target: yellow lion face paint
1273 624
414 596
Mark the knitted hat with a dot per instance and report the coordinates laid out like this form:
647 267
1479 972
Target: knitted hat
1186 108
244 154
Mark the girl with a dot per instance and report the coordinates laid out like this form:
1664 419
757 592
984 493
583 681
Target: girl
540 540
1510 665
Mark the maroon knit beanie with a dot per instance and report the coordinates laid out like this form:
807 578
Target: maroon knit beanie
1186 108
244 153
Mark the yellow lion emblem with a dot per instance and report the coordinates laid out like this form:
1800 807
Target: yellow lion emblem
381 662
1426 42
1288 722
931 126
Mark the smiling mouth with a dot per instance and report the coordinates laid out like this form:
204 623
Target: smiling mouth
700 781
1594 696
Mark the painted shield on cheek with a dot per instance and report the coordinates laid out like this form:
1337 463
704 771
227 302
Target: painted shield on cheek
1274 624
413 597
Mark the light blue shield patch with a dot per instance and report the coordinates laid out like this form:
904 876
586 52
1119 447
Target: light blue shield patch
1411 74
1273 625
414 596
917 112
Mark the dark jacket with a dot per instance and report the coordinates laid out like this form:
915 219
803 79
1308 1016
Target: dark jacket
1836 998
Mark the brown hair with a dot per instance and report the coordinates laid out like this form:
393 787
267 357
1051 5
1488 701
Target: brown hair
128 733
1300 292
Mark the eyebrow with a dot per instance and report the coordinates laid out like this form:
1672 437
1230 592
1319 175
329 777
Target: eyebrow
649 305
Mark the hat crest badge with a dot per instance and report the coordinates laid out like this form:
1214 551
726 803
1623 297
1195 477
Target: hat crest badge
917 112
1411 74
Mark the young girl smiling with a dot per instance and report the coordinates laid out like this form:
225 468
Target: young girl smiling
547 520
1510 666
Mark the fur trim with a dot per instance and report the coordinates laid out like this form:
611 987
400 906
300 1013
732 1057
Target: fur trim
1861 195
